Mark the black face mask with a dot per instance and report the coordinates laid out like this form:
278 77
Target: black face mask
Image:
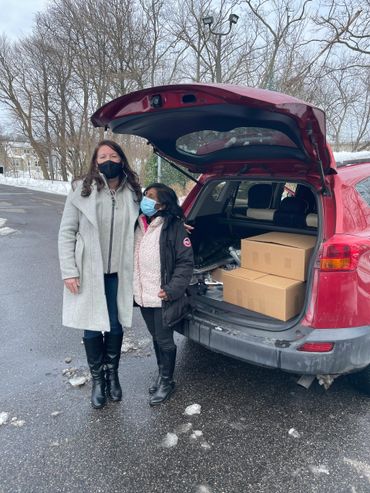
110 169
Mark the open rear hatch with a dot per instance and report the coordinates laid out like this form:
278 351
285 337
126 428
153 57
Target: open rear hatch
222 128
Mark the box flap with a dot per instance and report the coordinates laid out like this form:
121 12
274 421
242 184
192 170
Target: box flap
287 239
241 273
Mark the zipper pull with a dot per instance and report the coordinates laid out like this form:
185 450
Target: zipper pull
113 195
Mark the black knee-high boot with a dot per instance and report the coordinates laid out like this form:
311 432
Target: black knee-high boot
94 348
166 385
113 344
155 384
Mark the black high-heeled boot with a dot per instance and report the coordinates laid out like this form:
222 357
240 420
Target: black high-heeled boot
94 348
155 384
166 385
113 344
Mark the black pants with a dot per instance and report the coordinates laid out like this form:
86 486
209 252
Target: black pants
111 288
162 334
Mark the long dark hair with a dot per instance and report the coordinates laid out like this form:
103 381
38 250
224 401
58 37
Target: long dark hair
167 197
94 175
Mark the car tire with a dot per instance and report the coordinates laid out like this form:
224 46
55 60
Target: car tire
361 380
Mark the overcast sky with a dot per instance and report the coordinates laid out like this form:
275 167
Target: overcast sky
16 17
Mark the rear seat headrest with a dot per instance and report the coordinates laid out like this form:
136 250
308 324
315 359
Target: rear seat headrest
291 213
306 194
259 196
293 205
312 220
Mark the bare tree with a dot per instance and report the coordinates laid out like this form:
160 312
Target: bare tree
347 23
16 93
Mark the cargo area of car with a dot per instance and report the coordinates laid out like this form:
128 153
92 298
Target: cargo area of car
230 210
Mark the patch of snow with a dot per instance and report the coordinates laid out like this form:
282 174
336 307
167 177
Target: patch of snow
205 445
237 426
132 343
55 413
77 381
7 231
319 469
127 346
193 409
170 440
198 433
184 428
361 467
349 156
202 488
294 433
325 380
4 418
70 372
2 221
17 422
58 187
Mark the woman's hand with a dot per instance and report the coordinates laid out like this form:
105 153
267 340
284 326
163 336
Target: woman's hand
188 228
73 284
163 295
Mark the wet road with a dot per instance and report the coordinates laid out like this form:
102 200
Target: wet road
245 418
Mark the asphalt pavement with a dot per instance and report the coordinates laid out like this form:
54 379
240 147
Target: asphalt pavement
257 431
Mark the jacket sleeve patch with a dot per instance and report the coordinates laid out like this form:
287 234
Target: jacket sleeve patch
187 242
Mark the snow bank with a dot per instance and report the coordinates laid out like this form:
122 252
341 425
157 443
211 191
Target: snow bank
348 156
57 187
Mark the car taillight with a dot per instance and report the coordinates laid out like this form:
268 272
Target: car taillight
316 347
340 256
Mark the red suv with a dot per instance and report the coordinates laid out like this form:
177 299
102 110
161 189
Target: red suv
261 164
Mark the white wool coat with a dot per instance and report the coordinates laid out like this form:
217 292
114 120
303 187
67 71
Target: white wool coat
80 256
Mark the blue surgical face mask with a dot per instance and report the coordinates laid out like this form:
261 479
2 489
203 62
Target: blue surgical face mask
147 206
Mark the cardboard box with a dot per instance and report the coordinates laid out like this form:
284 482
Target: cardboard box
217 274
277 297
281 254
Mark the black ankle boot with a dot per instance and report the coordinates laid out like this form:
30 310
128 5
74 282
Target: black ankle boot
155 384
113 344
166 385
94 348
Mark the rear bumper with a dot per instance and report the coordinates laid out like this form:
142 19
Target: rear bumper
351 350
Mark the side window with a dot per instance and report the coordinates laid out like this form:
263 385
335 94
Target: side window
217 191
241 199
363 188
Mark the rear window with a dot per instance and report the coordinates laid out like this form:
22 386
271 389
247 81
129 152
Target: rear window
208 141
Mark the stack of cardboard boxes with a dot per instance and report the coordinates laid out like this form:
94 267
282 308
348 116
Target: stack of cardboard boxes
272 276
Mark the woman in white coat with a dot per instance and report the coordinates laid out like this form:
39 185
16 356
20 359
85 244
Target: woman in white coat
96 244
